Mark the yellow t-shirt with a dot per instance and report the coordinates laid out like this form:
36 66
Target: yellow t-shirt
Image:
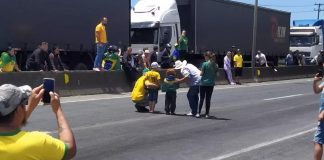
153 76
101 29
238 59
31 146
139 91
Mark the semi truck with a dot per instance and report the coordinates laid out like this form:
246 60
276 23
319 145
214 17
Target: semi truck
213 25
70 24
306 36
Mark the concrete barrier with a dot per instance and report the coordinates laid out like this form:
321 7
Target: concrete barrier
89 82
73 82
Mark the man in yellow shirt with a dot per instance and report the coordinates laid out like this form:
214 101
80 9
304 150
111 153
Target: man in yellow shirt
16 105
101 43
238 66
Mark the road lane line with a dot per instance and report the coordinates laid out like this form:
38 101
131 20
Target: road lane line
106 124
261 145
290 96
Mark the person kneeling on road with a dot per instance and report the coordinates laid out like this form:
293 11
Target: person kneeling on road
16 105
140 92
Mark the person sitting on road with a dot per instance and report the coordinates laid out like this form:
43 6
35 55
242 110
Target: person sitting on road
16 106
8 61
39 60
153 77
56 61
139 94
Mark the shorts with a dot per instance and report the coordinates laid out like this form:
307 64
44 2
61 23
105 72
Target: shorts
319 134
153 95
238 72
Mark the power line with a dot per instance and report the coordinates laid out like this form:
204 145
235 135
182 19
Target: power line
318 9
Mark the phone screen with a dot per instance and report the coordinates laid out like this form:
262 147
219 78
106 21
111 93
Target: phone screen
48 84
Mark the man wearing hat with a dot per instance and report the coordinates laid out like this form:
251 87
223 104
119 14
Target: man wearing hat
191 75
16 105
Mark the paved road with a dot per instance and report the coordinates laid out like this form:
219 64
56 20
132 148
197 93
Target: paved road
263 121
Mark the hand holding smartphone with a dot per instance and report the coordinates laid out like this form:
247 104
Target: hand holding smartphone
49 86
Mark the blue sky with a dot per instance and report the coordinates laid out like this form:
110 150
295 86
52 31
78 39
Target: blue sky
300 9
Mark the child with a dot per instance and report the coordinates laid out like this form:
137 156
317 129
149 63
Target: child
319 134
170 87
153 77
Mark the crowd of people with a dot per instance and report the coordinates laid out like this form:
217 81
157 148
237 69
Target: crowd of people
200 81
39 60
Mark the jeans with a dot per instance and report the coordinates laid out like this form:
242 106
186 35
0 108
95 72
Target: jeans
193 98
228 75
101 48
205 91
170 101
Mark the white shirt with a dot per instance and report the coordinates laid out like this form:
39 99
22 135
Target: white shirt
193 73
262 59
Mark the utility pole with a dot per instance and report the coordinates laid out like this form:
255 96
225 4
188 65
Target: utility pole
255 26
318 9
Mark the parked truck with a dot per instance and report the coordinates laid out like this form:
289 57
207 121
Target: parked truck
214 25
306 36
67 23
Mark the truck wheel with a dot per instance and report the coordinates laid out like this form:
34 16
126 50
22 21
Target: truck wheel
81 66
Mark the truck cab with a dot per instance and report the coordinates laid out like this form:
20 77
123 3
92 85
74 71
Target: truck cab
154 23
306 36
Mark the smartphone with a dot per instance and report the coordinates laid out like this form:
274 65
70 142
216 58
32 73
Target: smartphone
49 86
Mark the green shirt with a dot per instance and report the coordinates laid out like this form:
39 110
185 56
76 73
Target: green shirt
209 73
183 43
7 62
169 86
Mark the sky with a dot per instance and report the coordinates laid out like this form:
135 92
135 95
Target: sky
300 9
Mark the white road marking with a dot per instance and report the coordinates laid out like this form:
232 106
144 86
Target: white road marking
100 125
264 144
183 90
275 98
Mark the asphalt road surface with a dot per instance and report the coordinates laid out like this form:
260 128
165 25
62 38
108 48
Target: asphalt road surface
260 121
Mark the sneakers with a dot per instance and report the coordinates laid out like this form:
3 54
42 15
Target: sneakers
206 116
197 115
189 114
232 83
96 69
